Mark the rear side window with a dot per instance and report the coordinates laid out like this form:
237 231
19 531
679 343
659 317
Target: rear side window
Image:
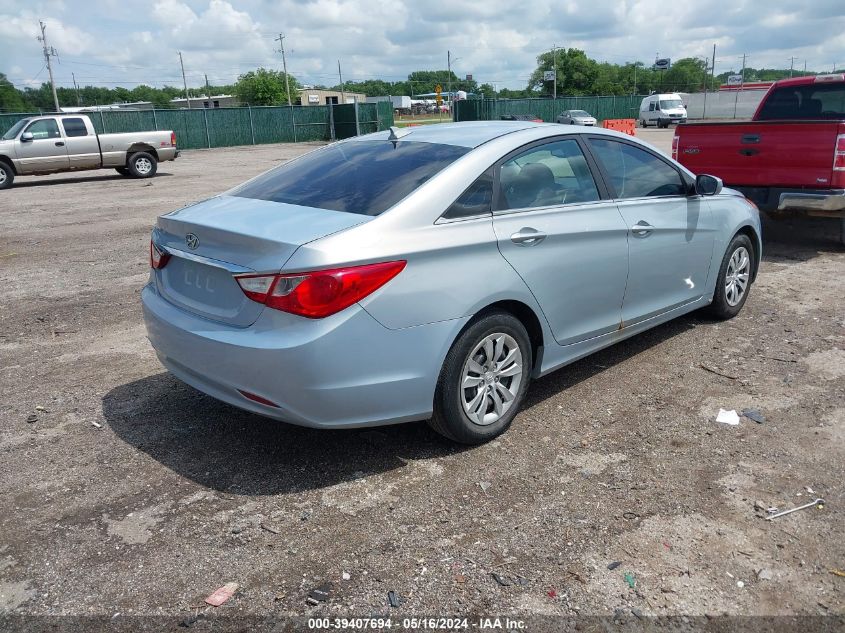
476 200
546 175
364 177
813 101
45 128
636 173
74 127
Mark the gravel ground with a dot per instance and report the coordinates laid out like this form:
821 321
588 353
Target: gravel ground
124 491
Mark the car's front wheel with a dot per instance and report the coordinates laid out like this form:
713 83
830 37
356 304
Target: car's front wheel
484 380
734 281
7 175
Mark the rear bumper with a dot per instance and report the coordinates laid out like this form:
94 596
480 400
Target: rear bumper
821 202
340 372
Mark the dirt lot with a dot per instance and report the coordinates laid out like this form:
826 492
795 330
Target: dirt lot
124 491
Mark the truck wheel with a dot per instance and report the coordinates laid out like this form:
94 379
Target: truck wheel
734 280
644 123
7 175
142 165
123 171
483 381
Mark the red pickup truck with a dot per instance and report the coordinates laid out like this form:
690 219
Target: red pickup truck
789 157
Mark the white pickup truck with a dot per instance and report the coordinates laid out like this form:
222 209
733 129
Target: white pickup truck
53 143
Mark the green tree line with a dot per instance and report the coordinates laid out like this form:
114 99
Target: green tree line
577 74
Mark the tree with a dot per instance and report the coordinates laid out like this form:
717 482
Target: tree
576 73
10 97
265 87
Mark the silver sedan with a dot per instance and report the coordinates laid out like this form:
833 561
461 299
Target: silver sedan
431 273
576 117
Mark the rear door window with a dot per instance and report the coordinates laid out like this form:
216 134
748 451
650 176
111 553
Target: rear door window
546 175
365 177
74 127
476 200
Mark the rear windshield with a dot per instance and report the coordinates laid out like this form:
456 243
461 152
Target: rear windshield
811 101
365 177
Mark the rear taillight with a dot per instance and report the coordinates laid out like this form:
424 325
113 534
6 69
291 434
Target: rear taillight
158 257
839 154
173 139
675 142
321 293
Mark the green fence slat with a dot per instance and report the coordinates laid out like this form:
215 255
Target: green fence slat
601 107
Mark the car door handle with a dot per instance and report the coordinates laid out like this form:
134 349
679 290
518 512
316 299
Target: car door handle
526 236
751 138
642 228
60 143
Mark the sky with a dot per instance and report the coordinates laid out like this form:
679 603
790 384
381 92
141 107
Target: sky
129 42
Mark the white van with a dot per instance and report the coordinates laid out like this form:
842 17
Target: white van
661 110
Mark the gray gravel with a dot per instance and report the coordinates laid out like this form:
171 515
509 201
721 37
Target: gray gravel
123 490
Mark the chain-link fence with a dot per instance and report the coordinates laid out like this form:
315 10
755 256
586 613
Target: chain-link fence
624 107
226 127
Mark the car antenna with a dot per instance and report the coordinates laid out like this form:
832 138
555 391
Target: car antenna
397 133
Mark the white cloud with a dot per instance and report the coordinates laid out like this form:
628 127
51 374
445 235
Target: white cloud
132 41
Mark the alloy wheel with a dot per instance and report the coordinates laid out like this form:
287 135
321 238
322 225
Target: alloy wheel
491 378
737 276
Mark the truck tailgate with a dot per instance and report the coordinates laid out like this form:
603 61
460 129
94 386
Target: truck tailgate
765 153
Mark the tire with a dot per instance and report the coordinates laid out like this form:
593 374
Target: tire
644 123
738 261
506 337
123 171
7 175
142 165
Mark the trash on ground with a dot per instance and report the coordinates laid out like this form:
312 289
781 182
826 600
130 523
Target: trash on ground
269 528
637 613
837 572
96 424
630 516
740 584
191 620
629 578
320 594
346 576
40 408
727 417
222 594
31 418
393 599
460 578
502 580
755 415
485 485
764 574
760 505
614 565
551 593
819 503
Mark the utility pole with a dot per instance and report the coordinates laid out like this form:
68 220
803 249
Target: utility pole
49 52
635 79
281 41
805 66
554 66
791 65
713 67
208 92
449 78
340 76
742 83
184 81
76 87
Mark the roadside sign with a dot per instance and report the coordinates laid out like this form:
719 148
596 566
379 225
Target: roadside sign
663 64
548 75
438 89
734 80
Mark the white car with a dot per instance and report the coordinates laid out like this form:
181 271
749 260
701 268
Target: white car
662 110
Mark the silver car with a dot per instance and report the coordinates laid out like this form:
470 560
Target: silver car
576 117
431 273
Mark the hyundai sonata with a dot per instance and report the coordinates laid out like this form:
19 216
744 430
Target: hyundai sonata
431 273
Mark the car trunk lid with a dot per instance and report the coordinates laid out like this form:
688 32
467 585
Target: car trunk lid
212 241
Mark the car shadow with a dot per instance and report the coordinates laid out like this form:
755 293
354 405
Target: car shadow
44 182
799 238
229 450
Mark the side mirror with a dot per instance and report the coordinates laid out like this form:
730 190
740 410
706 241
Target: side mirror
26 137
706 185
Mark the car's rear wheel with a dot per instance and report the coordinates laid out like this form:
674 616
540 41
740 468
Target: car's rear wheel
484 380
142 165
734 281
